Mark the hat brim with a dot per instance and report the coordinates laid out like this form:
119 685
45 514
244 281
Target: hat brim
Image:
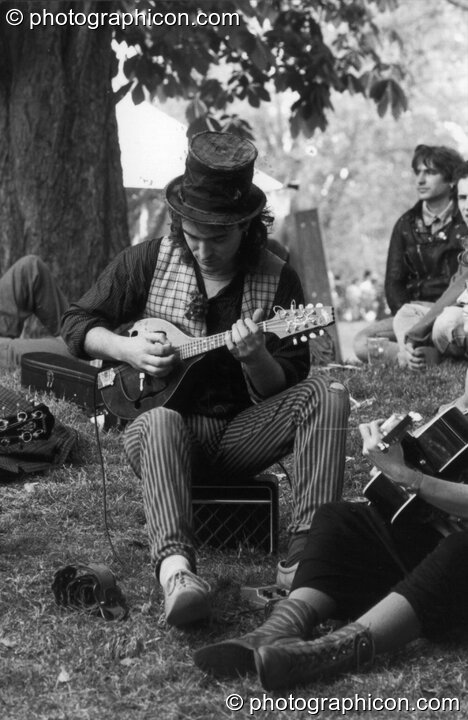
253 205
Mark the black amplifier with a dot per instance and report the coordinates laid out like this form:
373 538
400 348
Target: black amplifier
237 513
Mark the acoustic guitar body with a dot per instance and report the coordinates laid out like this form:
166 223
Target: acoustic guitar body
393 502
439 448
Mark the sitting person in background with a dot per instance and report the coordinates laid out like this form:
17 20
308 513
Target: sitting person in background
395 582
423 253
28 289
444 325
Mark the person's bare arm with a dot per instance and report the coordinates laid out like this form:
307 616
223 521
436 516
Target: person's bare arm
448 496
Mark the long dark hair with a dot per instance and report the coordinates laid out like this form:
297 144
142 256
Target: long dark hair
254 239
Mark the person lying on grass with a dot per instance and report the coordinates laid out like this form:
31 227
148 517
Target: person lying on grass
395 582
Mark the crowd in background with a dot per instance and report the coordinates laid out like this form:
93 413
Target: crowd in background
360 299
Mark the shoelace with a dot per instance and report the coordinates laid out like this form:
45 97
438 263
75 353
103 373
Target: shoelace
185 579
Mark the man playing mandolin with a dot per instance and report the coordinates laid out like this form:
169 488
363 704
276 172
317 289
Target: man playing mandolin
241 406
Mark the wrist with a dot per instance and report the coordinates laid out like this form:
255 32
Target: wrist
119 347
415 481
256 360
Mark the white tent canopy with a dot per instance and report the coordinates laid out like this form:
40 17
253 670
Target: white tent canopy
154 146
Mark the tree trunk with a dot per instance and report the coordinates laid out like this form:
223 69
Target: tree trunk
61 189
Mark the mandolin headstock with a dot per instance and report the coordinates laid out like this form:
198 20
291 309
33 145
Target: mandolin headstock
26 425
308 321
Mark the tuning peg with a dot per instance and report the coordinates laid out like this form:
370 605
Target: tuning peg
309 306
312 335
321 332
294 341
319 306
303 338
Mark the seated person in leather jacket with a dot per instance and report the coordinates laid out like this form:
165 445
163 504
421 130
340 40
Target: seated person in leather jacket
423 253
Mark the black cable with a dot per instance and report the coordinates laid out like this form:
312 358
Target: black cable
103 478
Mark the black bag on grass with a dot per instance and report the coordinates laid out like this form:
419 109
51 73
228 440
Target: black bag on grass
90 588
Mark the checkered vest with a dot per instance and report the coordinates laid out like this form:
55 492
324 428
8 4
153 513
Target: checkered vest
174 281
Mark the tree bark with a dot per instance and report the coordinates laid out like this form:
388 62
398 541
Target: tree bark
61 188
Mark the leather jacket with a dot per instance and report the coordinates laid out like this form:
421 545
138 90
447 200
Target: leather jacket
419 264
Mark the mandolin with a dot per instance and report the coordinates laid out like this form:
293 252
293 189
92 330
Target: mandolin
127 392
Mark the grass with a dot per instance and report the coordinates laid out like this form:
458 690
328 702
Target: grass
57 664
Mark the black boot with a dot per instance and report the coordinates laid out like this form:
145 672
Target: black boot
290 621
349 649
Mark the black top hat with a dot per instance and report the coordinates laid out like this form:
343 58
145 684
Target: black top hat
217 187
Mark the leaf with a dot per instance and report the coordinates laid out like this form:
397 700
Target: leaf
399 100
122 91
253 98
262 93
202 124
395 37
197 108
388 93
261 56
138 95
6 642
294 124
30 487
242 40
130 66
353 84
127 661
63 676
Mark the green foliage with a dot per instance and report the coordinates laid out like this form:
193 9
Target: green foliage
277 45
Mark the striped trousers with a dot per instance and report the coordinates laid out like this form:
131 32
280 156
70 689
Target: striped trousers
165 448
